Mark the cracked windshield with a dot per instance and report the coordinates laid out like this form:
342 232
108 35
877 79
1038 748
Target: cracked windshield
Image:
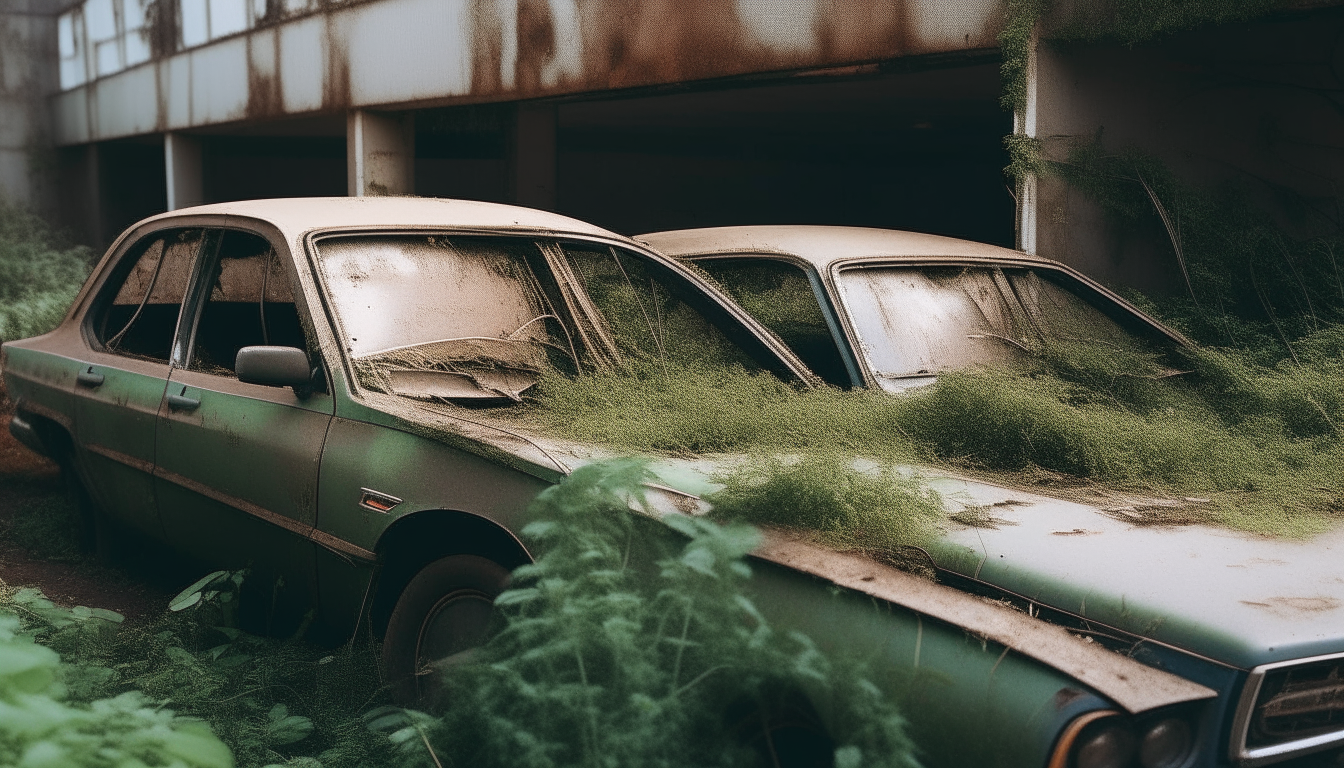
915 323
468 318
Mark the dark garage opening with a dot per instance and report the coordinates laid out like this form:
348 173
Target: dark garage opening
247 167
917 150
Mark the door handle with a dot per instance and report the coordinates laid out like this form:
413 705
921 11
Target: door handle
87 378
181 402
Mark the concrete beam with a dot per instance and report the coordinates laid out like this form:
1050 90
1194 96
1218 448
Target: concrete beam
396 53
183 167
534 156
380 153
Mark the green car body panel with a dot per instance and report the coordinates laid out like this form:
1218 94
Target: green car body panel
349 492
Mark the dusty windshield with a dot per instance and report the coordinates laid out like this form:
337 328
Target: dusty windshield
434 316
916 322
484 318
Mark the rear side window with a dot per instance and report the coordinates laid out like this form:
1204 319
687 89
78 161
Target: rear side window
250 302
651 317
780 296
146 293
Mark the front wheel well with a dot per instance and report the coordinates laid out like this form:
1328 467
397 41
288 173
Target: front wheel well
416 540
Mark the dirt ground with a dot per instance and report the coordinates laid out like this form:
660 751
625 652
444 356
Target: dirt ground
139 589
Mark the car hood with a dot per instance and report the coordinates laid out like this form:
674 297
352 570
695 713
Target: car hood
1239 599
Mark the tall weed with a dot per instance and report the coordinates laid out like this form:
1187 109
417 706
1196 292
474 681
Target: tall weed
624 648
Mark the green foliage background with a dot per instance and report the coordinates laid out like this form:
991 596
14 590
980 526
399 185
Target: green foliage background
38 277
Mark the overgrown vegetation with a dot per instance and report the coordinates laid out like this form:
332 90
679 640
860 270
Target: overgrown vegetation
38 277
236 696
1261 443
623 648
52 713
626 644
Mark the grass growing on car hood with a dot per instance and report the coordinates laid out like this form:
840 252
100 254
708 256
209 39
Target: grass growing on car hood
1261 443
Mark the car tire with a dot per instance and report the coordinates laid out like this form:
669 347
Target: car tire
446 610
96 533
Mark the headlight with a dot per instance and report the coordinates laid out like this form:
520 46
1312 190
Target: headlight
1109 739
1165 744
1109 745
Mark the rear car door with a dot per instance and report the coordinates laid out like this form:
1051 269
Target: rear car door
237 463
122 379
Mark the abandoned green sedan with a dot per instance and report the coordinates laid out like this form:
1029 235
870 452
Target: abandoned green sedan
321 389
1258 619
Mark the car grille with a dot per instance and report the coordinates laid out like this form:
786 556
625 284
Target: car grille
1291 709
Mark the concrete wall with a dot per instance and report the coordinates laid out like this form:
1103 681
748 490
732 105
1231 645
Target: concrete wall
27 78
394 53
1259 105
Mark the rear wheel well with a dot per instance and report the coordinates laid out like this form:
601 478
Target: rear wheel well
418 539
56 439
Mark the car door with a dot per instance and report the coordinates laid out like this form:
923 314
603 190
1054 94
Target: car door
236 463
121 381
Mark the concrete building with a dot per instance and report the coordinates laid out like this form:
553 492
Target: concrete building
650 114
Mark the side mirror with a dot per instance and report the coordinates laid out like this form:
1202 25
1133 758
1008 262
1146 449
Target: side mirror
273 367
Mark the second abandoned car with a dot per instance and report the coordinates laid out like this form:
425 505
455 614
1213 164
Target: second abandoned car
294 384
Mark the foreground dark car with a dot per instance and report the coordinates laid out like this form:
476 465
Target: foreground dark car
295 385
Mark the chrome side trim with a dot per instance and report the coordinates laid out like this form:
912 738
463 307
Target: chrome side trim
341 546
144 466
320 538
1241 722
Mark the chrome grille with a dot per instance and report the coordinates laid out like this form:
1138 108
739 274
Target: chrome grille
1290 709
1297 702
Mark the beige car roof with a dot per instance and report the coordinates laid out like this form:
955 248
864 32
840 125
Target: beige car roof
300 214
823 245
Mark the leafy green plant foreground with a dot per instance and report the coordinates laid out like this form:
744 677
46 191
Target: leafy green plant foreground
38 278
51 717
627 643
188 689
625 648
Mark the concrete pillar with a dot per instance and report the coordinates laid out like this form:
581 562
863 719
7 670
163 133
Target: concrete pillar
380 153
1024 124
534 156
183 166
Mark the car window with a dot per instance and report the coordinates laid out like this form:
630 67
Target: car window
916 322
780 296
651 316
249 302
483 318
435 316
145 295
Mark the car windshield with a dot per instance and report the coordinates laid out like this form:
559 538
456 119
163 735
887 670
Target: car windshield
464 318
914 323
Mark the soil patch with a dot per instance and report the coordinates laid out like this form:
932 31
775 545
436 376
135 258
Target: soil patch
28 482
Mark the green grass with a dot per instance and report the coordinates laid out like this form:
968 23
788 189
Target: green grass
38 277
1261 442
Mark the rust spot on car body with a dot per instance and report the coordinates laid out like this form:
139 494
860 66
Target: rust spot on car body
1290 607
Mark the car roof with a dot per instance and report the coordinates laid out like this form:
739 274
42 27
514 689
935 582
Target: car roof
300 214
824 245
